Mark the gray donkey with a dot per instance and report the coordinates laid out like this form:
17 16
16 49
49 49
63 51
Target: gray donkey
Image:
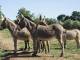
70 35
22 34
40 32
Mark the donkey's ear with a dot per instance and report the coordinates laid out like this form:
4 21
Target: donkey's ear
5 18
44 19
40 17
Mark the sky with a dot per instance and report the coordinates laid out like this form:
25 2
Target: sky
49 8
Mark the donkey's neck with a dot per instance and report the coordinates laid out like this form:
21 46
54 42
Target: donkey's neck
12 30
29 24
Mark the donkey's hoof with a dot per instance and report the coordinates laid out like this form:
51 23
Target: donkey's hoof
22 49
29 49
15 52
34 55
62 55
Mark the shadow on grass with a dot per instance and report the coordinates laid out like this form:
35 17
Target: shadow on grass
22 54
57 48
64 48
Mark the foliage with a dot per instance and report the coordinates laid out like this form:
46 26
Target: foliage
61 17
25 12
51 21
48 20
68 24
1 14
75 15
76 24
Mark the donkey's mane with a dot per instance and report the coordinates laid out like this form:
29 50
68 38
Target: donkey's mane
11 22
29 18
29 21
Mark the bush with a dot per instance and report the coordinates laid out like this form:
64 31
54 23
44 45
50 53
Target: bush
76 24
68 24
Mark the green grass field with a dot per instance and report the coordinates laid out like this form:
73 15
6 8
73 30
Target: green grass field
71 52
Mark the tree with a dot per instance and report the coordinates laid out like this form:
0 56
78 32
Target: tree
1 14
67 17
61 17
76 24
25 12
50 21
75 15
68 24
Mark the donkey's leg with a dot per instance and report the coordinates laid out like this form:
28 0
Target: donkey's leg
64 39
45 46
42 46
48 46
28 40
28 46
35 47
64 42
15 45
77 42
60 39
25 45
39 46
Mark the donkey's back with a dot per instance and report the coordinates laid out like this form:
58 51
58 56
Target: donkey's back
72 34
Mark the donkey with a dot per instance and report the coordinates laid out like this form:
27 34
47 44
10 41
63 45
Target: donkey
22 34
26 42
43 46
40 32
70 35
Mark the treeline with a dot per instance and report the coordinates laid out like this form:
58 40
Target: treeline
27 13
68 22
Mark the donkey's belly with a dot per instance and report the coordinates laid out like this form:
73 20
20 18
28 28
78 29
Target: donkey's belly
22 36
70 35
46 36
45 39
45 33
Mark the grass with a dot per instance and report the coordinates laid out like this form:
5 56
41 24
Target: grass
5 33
71 52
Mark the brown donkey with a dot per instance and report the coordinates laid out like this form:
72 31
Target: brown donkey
40 32
44 45
70 35
22 34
